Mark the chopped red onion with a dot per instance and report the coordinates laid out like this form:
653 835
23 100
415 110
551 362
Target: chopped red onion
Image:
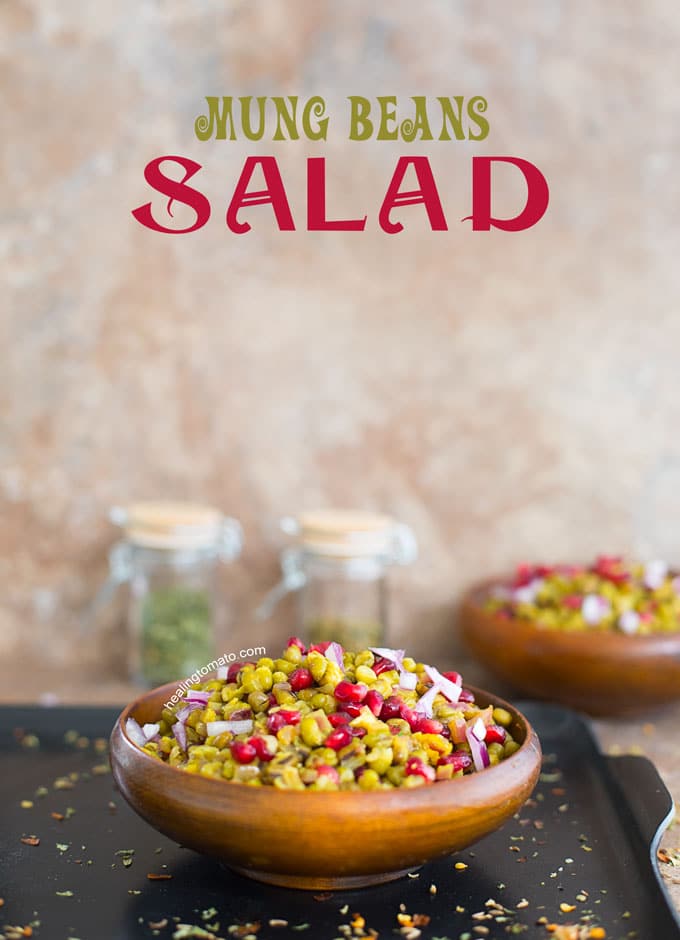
151 731
202 698
478 729
394 656
222 672
424 704
449 689
180 734
334 654
408 681
134 732
184 712
629 622
675 584
236 727
594 608
479 751
526 594
655 573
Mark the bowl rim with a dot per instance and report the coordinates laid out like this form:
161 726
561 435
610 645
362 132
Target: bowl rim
531 743
477 591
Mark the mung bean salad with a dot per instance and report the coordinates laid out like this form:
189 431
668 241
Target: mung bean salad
610 595
323 718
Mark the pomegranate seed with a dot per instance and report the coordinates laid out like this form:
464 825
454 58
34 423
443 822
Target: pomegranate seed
430 726
243 752
351 709
261 748
296 641
454 677
320 647
359 772
382 665
411 716
272 700
416 768
391 708
275 722
358 732
338 718
524 573
374 700
495 735
325 770
573 601
466 696
300 679
284 716
290 716
348 692
459 759
339 738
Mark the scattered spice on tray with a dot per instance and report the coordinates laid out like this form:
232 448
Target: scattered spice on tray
64 894
26 804
669 857
609 595
30 840
192 932
152 876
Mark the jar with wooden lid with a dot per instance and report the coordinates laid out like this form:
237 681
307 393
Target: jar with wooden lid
338 563
169 559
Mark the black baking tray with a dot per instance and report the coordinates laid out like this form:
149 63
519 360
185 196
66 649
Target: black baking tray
587 838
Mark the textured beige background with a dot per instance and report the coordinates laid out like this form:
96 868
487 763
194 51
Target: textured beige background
510 396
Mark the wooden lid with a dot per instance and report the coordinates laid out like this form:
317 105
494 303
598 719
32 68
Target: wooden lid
170 524
344 533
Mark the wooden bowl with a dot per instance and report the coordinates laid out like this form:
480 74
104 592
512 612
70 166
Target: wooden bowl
315 839
596 672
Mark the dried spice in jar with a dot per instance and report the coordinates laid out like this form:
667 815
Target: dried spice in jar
169 561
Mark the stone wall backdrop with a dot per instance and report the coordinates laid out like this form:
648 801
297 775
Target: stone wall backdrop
511 396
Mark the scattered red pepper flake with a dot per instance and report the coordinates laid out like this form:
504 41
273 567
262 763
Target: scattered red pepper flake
324 896
158 924
30 840
152 876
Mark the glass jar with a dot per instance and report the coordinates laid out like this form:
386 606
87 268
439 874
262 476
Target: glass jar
338 565
169 560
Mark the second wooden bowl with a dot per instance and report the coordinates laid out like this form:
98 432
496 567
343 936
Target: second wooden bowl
320 840
596 672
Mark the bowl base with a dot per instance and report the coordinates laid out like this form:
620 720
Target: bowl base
318 882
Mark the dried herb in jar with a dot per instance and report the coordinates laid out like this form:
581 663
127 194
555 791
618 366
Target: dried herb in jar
177 635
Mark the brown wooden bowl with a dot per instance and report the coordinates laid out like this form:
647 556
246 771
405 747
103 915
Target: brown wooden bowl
596 672
319 840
